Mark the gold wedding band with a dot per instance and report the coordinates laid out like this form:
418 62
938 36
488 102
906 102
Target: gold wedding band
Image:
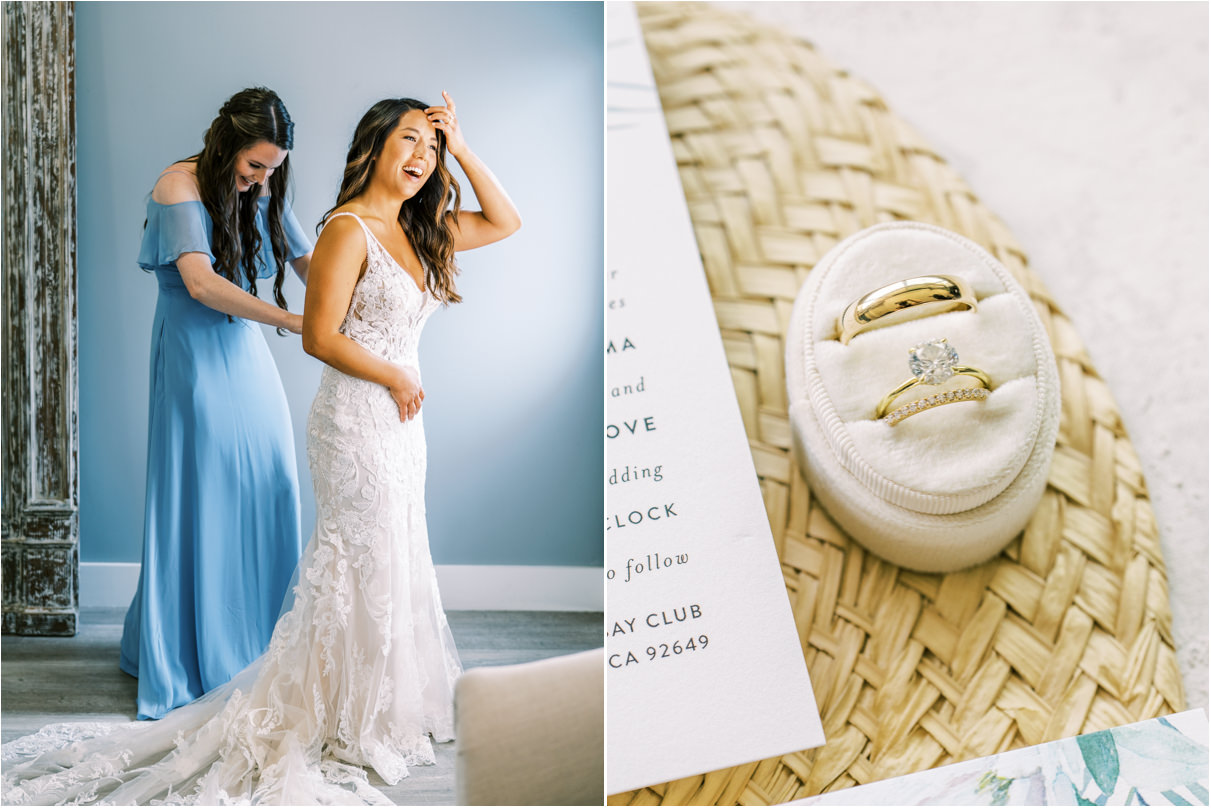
938 399
904 300
932 363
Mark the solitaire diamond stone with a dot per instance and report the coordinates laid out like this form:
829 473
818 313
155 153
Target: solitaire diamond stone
933 362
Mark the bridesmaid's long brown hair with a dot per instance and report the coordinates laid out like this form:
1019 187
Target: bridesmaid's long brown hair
249 117
424 217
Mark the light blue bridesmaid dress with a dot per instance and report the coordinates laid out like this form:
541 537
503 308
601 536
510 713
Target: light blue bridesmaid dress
221 535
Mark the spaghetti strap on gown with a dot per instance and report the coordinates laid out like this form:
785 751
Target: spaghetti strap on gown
221 532
359 672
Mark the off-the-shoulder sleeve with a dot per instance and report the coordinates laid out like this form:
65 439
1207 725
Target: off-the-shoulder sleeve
297 243
173 230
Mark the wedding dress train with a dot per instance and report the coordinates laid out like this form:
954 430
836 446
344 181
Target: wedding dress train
359 672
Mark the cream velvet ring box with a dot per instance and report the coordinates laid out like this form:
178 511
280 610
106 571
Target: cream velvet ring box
951 485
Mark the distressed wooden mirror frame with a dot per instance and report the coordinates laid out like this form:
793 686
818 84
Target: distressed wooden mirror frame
39 534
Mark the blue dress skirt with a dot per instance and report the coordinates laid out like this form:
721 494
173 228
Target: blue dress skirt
221 535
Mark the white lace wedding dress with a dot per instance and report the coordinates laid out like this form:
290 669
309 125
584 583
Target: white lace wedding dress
360 671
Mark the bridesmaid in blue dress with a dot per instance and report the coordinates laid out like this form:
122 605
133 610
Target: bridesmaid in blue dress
221 535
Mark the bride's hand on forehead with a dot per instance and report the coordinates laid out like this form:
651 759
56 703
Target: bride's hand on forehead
498 216
445 119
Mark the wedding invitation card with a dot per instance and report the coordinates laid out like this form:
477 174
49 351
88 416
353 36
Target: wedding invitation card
705 669
1161 761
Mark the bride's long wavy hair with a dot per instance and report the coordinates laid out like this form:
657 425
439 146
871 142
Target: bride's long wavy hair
247 118
424 216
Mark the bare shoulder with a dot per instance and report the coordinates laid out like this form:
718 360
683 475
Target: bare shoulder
368 216
342 235
177 183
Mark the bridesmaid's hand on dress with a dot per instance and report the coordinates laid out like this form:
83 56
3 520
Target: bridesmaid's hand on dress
407 393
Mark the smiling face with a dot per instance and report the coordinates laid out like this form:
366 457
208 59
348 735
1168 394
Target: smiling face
409 155
256 164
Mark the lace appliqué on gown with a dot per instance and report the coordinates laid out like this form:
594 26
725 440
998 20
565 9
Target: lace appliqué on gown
361 670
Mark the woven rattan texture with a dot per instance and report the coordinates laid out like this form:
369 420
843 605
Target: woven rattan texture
782 155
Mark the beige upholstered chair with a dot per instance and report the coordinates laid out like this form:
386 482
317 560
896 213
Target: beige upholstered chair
532 734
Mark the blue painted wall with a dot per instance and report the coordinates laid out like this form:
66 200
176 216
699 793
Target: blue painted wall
513 376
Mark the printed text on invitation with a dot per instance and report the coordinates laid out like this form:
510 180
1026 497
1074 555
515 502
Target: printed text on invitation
705 669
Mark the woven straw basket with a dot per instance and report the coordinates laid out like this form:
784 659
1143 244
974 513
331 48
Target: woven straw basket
782 155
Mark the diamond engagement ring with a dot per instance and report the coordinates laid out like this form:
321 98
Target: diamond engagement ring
933 363
904 300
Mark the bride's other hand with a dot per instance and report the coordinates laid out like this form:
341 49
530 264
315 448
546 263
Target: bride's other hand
408 393
444 119
499 217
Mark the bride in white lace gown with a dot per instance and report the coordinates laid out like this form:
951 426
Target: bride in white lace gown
361 670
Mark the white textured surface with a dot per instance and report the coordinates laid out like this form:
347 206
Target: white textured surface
1084 127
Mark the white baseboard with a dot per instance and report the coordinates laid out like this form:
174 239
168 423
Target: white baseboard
463 586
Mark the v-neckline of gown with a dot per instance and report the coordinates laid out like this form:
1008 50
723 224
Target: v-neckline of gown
418 286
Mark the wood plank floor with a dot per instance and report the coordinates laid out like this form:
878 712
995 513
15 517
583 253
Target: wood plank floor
49 679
